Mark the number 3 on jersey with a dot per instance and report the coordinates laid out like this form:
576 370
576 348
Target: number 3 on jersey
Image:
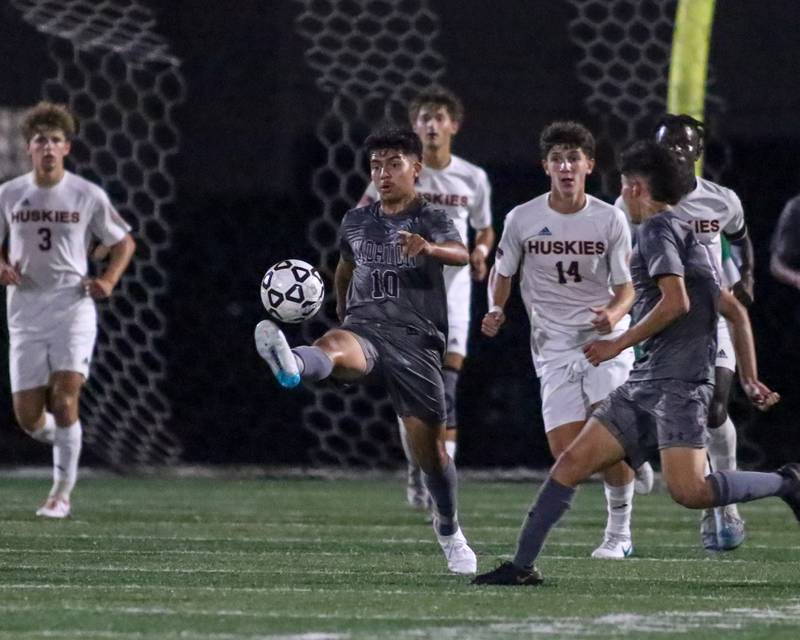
571 271
385 284
45 234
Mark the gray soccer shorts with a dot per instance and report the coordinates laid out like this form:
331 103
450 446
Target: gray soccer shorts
656 414
410 363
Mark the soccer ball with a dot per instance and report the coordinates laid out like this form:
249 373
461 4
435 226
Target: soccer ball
292 291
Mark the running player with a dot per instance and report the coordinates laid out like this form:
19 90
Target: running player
391 300
50 216
462 190
714 211
664 404
573 250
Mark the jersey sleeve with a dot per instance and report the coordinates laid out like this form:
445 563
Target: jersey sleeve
735 227
370 195
106 224
619 249
509 249
658 246
440 227
480 214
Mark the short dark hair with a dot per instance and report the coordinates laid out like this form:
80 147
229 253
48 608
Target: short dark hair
393 137
48 115
657 165
440 97
672 120
572 135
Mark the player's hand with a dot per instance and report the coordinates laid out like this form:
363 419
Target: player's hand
413 244
603 321
743 290
477 263
10 275
760 394
97 288
492 322
599 351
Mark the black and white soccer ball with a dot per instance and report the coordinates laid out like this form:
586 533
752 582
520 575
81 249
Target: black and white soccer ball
292 291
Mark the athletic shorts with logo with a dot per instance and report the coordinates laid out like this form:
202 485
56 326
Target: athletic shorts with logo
410 363
726 356
651 415
568 392
64 344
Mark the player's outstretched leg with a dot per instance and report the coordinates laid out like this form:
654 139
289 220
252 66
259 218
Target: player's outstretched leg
272 346
645 478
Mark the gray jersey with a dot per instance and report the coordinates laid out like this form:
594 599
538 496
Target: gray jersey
387 286
686 349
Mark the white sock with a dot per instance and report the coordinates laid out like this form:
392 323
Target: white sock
66 452
620 505
450 446
47 432
722 447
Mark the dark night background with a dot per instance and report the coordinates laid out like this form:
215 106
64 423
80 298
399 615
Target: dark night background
247 153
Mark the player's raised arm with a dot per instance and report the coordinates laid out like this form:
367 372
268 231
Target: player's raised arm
449 252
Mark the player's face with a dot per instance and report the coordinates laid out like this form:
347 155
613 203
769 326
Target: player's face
435 127
394 174
567 168
683 141
47 149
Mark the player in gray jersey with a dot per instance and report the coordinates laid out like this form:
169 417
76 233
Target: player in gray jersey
713 211
391 299
664 404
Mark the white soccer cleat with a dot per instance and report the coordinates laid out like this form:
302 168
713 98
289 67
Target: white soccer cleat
272 346
54 508
643 483
614 547
460 558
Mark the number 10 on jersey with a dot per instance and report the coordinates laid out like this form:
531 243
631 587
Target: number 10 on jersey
385 284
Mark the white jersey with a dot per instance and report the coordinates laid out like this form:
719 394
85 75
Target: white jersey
710 209
461 189
569 263
49 232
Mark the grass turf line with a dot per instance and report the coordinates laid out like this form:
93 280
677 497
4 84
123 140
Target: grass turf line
214 559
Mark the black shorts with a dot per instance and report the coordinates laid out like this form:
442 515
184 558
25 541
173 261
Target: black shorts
411 365
656 414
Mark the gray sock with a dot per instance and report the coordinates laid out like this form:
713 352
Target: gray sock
443 488
551 504
313 362
743 486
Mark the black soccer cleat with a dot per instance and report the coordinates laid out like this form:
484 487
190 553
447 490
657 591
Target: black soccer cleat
791 472
510 575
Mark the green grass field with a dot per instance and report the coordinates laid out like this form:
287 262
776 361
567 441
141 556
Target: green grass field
146 558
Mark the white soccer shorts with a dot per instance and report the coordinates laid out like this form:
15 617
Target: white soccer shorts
726 356
458 283
67 346
569 392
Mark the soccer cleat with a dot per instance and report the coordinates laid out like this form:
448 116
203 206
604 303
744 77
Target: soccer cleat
730 528
643 482
508 574
272 346
460 558
614 547
708 530
54 508
791 497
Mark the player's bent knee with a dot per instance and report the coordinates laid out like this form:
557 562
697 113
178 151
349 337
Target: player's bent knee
64 407
570 468
689 495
